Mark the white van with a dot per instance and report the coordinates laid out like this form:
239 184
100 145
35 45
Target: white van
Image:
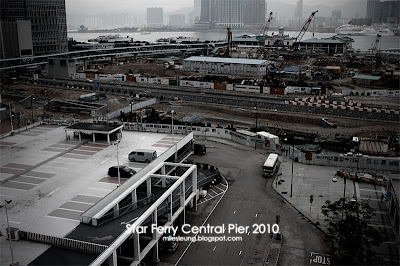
144 156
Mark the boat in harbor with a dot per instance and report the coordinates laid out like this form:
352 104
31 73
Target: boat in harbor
145 33
354 30
107 38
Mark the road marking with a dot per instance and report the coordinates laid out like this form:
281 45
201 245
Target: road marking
100 189
208 216
59 208
105 160
143 138
256 214
62 218
1 195
240 253
214 247
13 222
81 202
54 191
234 212
248 233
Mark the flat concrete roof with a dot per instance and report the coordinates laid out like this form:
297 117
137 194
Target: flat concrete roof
51 181
225 60
93 127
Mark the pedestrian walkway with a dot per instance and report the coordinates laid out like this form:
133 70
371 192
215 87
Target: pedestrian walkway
317 181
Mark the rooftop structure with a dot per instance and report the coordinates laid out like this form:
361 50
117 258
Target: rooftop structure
226 66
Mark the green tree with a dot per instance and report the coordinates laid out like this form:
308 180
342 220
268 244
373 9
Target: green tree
350 233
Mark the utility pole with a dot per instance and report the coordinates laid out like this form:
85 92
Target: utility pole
291 181
9 232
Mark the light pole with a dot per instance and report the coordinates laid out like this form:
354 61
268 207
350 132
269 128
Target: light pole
255 139
173 139
11 119
291 180
119 175
32 98
131 104
8 229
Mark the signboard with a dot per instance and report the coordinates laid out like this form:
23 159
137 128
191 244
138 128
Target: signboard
97 84
319 259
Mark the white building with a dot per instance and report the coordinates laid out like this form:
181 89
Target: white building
226 66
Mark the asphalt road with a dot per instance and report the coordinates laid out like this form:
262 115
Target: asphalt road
250 200
233 99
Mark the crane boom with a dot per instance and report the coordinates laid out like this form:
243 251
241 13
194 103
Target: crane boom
266 27
305 26
375 47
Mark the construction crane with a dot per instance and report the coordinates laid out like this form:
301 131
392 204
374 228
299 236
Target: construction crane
263 36
303 29
375 47
266 27
228 48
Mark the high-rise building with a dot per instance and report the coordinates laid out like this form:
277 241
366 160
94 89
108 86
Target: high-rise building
299 9
229 13
374 10
177 20
155 17
207 11
254 12
383 11
48 22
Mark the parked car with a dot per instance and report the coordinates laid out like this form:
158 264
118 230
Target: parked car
124 171
144 156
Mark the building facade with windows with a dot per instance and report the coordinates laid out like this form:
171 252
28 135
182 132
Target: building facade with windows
226 66
48 23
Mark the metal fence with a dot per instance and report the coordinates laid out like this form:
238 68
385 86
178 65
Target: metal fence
63 242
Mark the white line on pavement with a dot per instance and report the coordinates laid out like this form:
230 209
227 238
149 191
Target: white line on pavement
105 160
211 212
54 191
234 212
214 247
240 253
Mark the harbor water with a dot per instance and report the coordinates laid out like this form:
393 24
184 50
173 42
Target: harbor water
362 43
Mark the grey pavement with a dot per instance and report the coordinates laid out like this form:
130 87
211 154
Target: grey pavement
317 181
251 200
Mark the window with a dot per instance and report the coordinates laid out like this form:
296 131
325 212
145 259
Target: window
214 130
368 161
336 159
383 162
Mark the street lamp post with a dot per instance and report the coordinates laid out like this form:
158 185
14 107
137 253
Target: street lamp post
173 139
119 175
255 139
131 104
11 118
291 180
32 98
8 229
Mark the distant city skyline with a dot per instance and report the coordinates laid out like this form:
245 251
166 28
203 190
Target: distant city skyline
95 6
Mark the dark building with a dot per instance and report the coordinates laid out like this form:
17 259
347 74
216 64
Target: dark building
207 14
48 22
383 11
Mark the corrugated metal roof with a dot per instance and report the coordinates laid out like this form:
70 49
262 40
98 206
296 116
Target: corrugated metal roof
323 41
226 60
366 77
267 135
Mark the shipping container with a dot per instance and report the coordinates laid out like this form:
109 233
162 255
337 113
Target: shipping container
173 82
220 86
131 78
90 75
278 91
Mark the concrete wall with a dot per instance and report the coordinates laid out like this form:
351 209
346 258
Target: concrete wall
134 107
343 161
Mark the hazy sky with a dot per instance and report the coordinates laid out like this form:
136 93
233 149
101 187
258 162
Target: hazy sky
94 6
